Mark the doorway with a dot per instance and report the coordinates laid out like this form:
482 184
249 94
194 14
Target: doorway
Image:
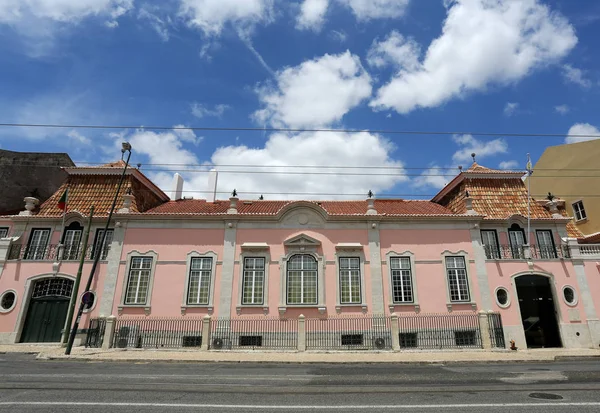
47 310
538 311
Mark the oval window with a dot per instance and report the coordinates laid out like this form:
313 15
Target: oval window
7 301
569 294
502 297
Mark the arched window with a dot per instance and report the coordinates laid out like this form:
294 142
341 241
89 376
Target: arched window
302 279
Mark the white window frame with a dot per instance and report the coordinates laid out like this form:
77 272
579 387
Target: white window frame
258 251
546 251
320 282
71 250
14 305
578 209
210 305
450 303
107 244
37 247
350 251
413 279
497 254
507 297
575 295
135 254
2 229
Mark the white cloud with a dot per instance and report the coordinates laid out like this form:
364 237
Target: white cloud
314 149
483 42
315 93
338 35
434 177
508 165
75 135
562 109
211 16
395 50
376 9
480 148
510 108
312 15
12 11
159 25
582 129
577 76
200 110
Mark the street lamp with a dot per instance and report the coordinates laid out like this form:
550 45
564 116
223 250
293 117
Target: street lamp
126 147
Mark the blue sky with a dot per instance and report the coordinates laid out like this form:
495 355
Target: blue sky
528 66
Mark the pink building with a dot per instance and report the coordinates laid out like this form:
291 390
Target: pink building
464 252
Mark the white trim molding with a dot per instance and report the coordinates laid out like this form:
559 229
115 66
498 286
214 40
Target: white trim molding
465 256
508 297
392 305
283 263
254 253
575 296
147 306
188 265
354 250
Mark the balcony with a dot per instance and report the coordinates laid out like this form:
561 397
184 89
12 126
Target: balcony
523 252
53 251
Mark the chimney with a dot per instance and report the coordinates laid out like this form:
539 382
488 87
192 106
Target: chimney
469 204
30 204
213 177
177 192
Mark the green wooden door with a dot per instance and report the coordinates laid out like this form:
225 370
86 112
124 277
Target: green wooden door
47 311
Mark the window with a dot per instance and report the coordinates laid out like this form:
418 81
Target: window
490 244
457 279
254 281
38 242
302 280
138 282
517 241
579 211
3 232
106 247
199 281
569 295
502 297
465 338
408 340
8 300
71 244
350 281
402 289
546 244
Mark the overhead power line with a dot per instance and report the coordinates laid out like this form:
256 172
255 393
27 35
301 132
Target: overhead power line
293 130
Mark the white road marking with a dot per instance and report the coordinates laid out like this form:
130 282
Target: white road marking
162 376
302 407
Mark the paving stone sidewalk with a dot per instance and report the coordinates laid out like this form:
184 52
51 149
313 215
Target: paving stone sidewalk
134 355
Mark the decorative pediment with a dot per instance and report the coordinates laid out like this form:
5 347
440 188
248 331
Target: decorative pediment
302 240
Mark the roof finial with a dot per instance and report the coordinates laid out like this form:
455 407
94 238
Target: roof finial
467 194
370 194
550 196
262 198
460 168
473 156
234 193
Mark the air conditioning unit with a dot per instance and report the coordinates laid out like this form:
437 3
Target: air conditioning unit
129 336
220 343
379 343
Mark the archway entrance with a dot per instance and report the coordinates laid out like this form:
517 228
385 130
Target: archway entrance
538 311
47 310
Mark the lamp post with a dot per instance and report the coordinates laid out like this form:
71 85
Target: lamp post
126 147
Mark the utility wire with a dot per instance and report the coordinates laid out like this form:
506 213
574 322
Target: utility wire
295 130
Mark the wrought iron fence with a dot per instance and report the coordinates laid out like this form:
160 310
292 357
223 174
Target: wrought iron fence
51 252
95 332
254 333
439 331
157 332
349 333
519 252
496 330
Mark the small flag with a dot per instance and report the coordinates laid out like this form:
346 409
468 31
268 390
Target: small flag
529 167
62 202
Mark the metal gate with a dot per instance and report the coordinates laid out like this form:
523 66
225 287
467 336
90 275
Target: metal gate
47 310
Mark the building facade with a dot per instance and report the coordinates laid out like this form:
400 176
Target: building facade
465 251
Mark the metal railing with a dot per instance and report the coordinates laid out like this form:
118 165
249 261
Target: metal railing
254 333
439 331
51 252
157 332
496 330
349 333
95 332
519 252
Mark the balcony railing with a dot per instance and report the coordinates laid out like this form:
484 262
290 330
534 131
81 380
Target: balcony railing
53 251
523 252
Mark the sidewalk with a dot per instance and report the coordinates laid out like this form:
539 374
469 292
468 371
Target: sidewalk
46 352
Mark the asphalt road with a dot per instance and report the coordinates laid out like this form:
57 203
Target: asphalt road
29 385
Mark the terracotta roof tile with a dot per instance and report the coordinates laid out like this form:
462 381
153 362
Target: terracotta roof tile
476 168
335 208
590 239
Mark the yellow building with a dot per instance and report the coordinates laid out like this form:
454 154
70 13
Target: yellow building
571 172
